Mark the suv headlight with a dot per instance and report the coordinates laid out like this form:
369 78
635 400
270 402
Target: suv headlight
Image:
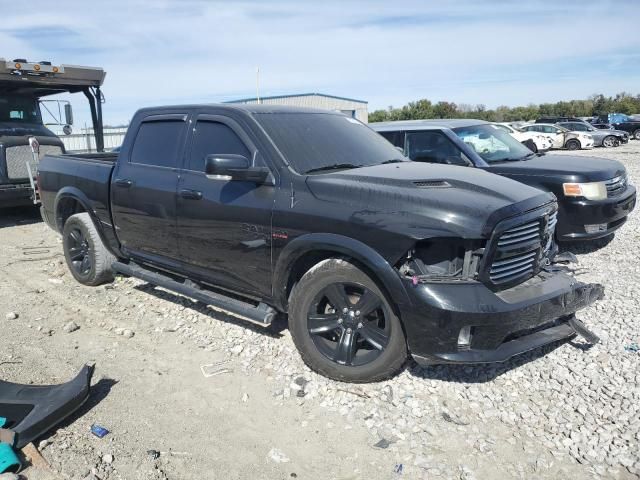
590 191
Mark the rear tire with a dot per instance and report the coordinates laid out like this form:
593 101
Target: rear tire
636 134
88 259
573 145
343 325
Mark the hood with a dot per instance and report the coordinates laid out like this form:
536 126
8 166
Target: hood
566 168
424 200
13 129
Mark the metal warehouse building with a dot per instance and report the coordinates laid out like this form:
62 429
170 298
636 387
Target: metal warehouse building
349 106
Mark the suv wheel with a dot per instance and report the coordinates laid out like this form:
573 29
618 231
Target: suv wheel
610 141
573 145
87 258
343 325
636 134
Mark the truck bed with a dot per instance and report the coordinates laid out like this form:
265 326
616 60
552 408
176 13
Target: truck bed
87 176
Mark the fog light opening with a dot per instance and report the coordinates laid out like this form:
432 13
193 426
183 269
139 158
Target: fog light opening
464 338
595 228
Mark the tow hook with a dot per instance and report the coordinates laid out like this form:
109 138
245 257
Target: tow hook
583 331
566 258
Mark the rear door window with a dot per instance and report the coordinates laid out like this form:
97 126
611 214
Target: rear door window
159 143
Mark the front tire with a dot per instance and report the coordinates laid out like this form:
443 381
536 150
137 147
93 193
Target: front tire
636 134
531 145
610 141
88 259
573 145
344 326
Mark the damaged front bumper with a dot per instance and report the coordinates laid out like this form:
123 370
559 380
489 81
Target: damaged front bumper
469 323
30 410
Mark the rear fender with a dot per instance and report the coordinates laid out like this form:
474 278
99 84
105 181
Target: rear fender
106 231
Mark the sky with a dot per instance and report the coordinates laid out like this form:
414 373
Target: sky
492 52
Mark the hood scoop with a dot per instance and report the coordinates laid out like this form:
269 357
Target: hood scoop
432 184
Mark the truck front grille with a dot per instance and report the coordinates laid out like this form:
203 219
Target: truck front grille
519 251
17 158
616 185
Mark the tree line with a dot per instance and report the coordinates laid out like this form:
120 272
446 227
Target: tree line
594 105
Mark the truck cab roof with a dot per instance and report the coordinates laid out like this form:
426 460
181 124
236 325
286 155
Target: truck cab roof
249 108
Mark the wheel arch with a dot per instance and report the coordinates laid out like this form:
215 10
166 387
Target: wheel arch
308 250
71 200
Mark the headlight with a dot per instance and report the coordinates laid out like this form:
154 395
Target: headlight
590 191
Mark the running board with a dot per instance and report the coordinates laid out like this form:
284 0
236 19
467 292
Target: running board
262 314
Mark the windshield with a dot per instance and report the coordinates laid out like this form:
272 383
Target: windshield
326 141
492 143
19 109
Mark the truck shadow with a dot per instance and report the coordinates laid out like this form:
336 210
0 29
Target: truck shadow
12 217
586 247
487 372
274 330
99 391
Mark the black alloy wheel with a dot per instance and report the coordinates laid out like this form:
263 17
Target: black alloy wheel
349 324
79 252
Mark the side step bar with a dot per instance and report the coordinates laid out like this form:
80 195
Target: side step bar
262 314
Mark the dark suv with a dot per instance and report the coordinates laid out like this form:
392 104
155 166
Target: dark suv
594 194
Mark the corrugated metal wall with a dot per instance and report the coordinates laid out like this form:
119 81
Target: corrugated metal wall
359 109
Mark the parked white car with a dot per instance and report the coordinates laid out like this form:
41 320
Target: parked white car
560 136
535 141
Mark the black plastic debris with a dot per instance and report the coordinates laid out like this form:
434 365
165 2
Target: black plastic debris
32 410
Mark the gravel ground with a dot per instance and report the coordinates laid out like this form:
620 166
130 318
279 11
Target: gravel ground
564 411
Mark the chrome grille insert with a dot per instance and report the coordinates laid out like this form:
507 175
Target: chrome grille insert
519 250
616 185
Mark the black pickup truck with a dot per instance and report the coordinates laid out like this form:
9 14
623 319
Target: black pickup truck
594 194
261 210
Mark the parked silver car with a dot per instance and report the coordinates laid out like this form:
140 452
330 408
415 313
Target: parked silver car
601 138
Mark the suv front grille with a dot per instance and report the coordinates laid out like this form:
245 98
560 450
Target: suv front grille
616 185
519 251
17 158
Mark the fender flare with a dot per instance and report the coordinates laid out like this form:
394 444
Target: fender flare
341 245
77 195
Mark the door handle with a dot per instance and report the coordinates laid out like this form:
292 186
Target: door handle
191 194
123 182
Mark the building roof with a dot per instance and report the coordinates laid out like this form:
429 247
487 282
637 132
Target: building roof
425 124
275 97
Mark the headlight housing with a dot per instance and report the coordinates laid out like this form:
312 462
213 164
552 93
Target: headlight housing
590 191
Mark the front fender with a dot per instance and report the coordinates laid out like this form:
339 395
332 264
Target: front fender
341 245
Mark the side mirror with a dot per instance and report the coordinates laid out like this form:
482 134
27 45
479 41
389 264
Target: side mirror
233 167
400 149
67 130
68 114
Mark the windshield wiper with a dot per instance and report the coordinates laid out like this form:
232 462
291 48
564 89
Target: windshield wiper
393 160
335 166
